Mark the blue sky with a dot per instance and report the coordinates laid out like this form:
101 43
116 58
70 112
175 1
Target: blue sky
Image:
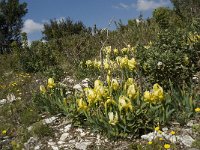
90 12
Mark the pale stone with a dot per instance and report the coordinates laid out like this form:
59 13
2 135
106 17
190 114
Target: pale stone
64 136
3 101
78 87
49 120
82 145
67 128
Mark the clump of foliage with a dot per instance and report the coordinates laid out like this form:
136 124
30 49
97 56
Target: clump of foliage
174 57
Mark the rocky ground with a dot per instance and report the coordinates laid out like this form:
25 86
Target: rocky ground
68 137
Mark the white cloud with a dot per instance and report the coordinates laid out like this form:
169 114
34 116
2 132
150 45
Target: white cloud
143 5
31 26
122 6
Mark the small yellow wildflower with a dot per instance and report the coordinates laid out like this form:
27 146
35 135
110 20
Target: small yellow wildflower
115 51
42 89
124 50
113 119
81 104
114 84
106 64
131 92
4 132
132 64
125 103
161 139
150 142
157 128
172 132
51 83
88 63
107 50
90 94
197 109
147 95
167 146
109 102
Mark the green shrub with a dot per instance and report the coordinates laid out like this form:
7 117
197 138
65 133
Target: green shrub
171 58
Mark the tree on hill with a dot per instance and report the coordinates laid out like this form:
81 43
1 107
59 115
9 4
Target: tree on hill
187 9
11 13
63 28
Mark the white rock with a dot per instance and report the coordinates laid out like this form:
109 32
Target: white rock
83 134
186 140
49 120
3 101
51 143
86 80
191 123
68 92
64 136
79 130
67 128
30 128
54 147
82 145
78 87
61 142
98 142
37 147
72 141
165 129
85 85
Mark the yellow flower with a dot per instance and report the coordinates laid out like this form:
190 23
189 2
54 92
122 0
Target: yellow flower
108 79
99 92
197 109
115 51
88 63
123 62
109 102
172 132
42 89
167 146
147 96
125 103
131 64
114 84
91 95
157 93
107 50
160 139
106 64
129 82
51 83
113 119
124 50
4 132
97 64
157 128
131 92
81 104
150 142
97 83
